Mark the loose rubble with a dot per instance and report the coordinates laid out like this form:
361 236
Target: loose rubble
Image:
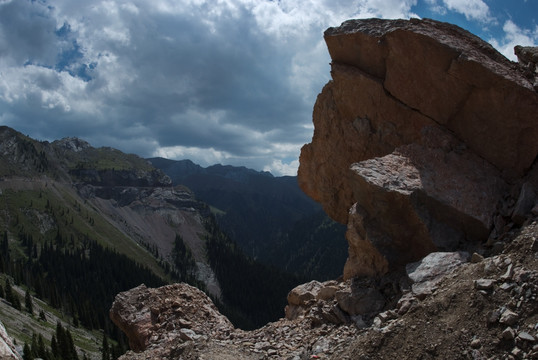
484 309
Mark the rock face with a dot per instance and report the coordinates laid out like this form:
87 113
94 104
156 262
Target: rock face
7 349
422 131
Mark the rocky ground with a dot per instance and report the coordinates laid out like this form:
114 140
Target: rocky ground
458 307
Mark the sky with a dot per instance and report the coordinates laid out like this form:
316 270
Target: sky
219 81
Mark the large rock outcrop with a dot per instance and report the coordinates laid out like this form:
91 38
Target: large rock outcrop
422 132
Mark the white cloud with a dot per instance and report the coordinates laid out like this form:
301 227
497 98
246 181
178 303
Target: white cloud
471 9
280 168
214 80
514 35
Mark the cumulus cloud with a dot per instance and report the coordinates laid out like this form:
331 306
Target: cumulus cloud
230 81
471 9
514 35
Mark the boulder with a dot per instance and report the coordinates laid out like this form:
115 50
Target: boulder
362 298
302 294
428 272
148 316
421 132
419 199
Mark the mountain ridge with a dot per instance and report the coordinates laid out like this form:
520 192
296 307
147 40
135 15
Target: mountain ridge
65 200
266 215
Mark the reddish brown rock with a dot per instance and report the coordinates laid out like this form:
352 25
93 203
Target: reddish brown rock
433 123
151 317
416 200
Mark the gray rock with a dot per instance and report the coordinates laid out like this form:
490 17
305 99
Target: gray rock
507 286
517 352
508 333
526 336
360 302
509 317
484 284
508 274
428 272
493 316
435 265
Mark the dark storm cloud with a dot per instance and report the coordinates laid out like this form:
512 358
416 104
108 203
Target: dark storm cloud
230 81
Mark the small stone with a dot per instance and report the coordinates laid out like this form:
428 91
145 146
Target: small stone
484 284
526 336
272 352
377 322
508 334
387 315
509 317
476 258
490 267
508 274
517 352
476 343
327 293
507 286
493 316
359 322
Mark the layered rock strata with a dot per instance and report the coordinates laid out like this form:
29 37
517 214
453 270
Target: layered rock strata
418 138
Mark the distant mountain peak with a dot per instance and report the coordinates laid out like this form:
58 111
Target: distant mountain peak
72 143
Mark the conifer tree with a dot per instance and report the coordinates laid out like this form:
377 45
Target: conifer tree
11 295
27 352
105 351
41 349
8 291
71 351
16 301
34 345
54 347
28 302
42 315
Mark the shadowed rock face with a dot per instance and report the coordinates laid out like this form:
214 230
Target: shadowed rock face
419 133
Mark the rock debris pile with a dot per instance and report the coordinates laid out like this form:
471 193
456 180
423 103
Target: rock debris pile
454 306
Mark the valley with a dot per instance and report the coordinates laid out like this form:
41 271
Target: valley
81 224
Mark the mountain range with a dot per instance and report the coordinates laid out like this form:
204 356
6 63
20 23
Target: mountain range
81 224
269 217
